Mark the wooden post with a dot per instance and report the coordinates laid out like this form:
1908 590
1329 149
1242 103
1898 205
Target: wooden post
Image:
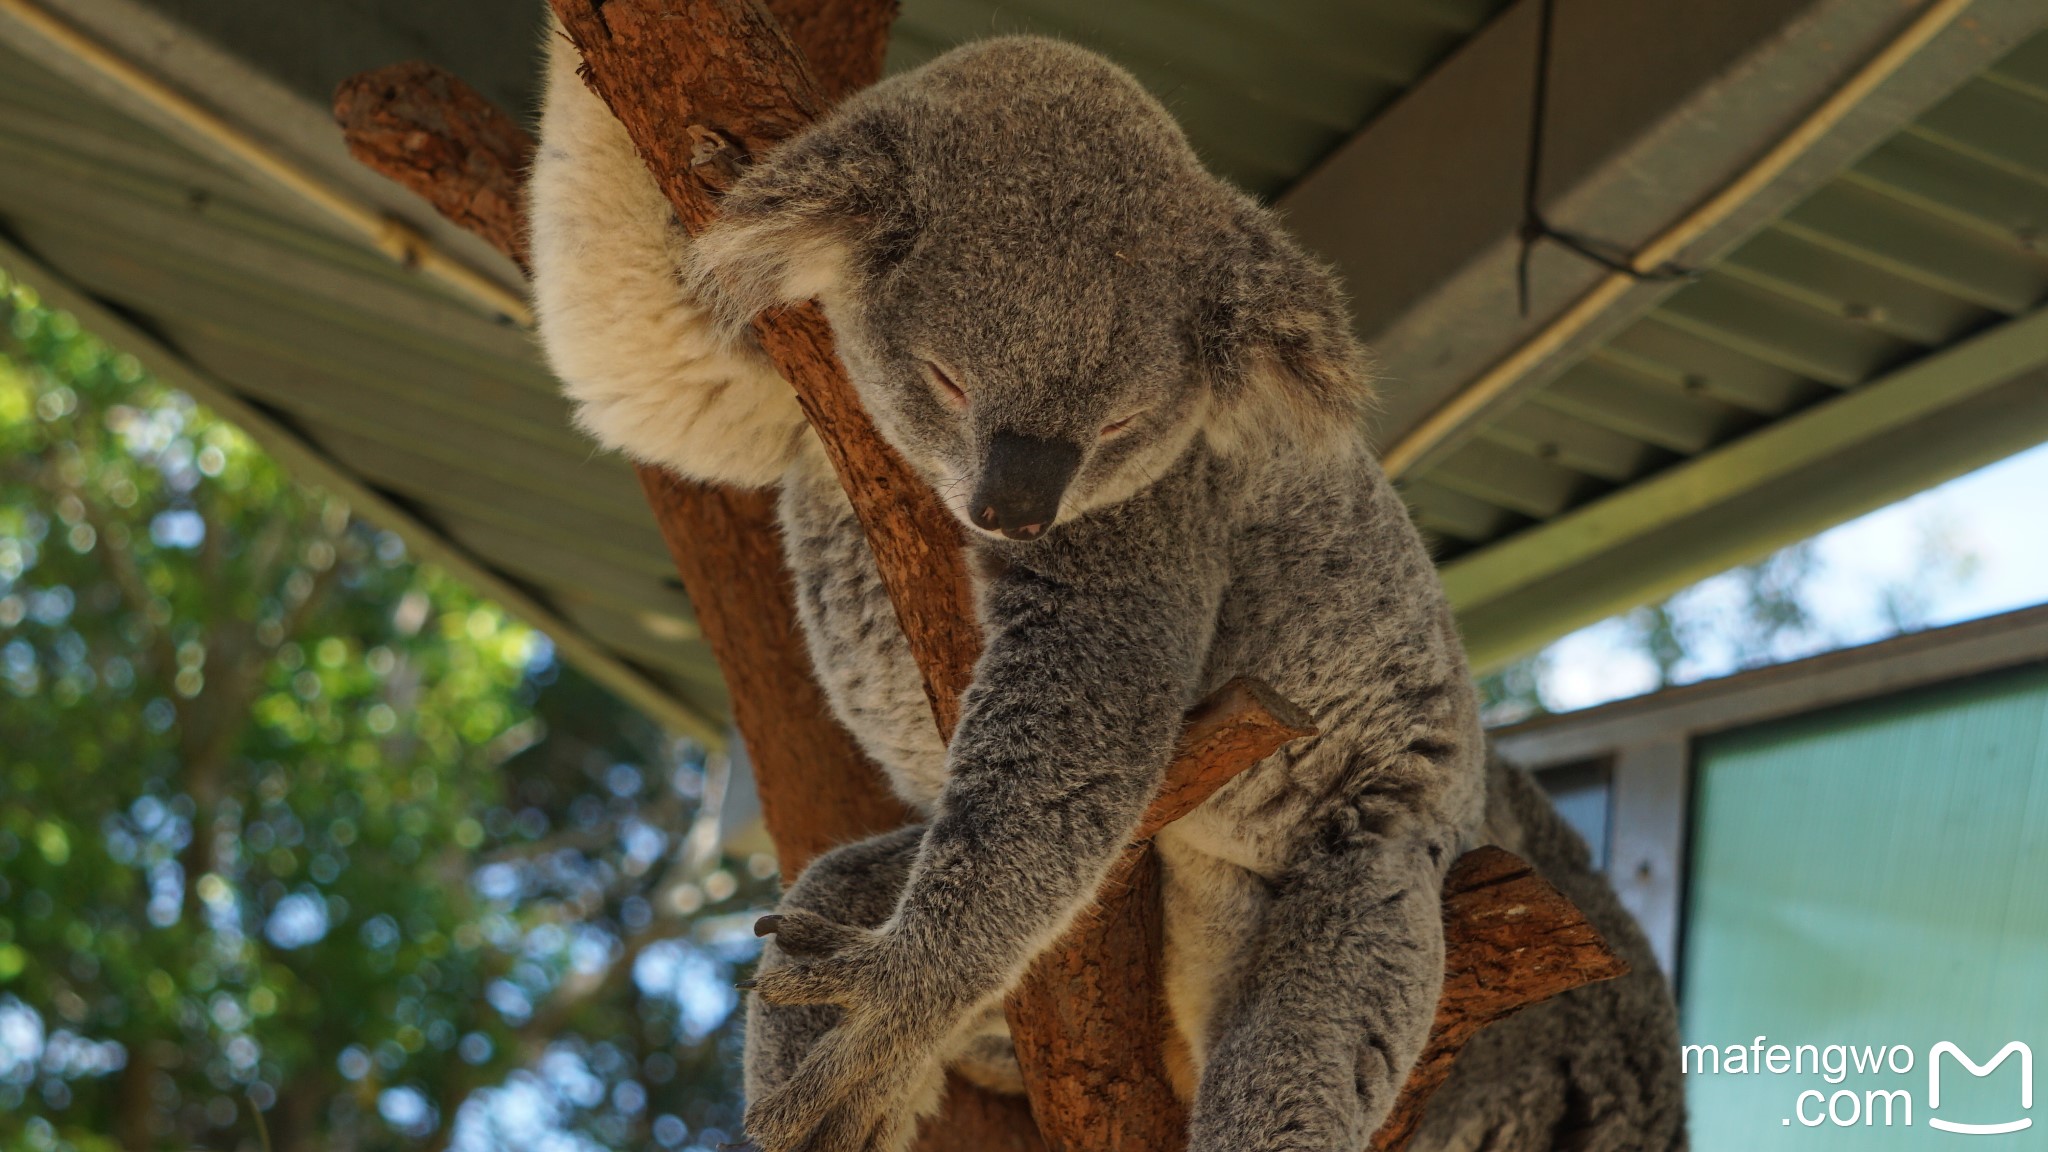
1091 1046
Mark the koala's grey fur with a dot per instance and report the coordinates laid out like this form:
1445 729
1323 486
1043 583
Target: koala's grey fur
1020 214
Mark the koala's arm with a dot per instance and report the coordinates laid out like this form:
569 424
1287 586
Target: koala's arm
1066 732
648 370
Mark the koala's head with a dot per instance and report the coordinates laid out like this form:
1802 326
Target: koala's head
1040 294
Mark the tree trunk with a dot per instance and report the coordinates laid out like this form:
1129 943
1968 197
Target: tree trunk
701 85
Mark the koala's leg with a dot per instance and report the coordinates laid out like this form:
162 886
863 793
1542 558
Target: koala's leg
1335 1003
650 372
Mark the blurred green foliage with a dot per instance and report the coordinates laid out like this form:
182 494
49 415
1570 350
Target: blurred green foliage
304 845
1751 616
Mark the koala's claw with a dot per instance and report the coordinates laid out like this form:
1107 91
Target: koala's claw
809 934
825 962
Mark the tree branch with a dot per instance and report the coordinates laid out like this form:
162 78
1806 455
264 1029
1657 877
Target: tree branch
421 126
678 72
454 148
1089 1020
817 788
1510 940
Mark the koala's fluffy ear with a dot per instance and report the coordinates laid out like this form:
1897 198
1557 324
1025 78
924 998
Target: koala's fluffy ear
1274 336
821 211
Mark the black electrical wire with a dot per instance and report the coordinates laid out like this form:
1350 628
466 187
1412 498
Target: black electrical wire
1535 229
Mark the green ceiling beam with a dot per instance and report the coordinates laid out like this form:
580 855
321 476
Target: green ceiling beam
1942 415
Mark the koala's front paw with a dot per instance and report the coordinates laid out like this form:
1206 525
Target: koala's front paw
857 1090
824 962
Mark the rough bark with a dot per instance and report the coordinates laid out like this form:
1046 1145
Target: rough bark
974 1119
433 133
844 42
1239 725
1090 1013
816 788
1090 1024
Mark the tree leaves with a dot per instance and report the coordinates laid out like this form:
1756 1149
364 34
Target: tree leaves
292 824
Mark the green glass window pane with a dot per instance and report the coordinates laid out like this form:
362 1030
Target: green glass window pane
1872 876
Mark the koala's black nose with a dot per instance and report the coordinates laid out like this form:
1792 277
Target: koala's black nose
1022 481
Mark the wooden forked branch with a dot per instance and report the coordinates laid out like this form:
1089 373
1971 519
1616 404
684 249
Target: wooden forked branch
718 78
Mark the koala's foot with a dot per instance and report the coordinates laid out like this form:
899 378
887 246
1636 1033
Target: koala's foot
859 1091
854 884
850 1033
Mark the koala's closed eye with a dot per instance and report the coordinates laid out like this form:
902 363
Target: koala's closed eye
952 393
1117 427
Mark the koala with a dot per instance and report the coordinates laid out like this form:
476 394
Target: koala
1143 402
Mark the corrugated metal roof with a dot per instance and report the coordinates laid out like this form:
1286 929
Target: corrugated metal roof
444 409
1938 234
448 412
1264 89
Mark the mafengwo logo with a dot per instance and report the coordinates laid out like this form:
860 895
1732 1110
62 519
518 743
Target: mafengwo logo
1890 1102
1945 1048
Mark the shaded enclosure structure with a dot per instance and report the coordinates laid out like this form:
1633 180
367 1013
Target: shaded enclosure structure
1860 321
